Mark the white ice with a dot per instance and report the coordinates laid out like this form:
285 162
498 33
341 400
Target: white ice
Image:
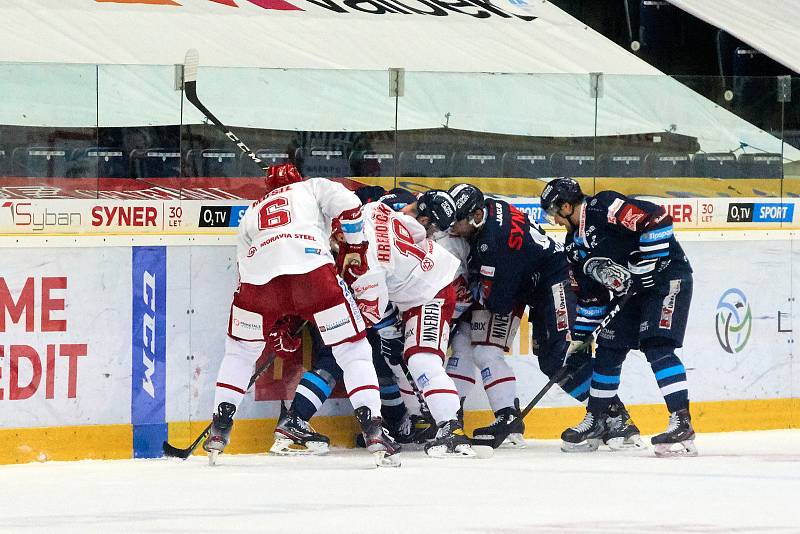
742 482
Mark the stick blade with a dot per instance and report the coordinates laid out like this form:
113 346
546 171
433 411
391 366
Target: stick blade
190 64
174 452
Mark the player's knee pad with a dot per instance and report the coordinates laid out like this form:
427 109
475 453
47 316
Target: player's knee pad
656 349
607 357
461 339
427 329
424 366
327 365
486 355
348 352
494 329
247 351
341 323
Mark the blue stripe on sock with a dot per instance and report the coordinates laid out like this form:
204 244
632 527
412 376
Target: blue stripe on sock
317 381
605 379
588 327
670 371
580 390
655 255
390 389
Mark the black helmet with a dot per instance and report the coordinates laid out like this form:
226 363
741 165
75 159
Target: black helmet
398 198
468 198
559 191
438 206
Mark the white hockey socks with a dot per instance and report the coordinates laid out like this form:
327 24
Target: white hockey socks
497 375
437 388
360 379
235 370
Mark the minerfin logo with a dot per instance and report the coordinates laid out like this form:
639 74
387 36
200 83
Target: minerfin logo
734 320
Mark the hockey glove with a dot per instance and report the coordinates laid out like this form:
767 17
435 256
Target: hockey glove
282 337
642 271
352 260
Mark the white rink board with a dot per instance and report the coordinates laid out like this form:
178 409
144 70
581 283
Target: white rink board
199 284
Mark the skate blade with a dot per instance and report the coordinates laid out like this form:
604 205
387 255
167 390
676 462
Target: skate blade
675 450
287 447
382 460
514 441
461 451
212 457
590 445
632 444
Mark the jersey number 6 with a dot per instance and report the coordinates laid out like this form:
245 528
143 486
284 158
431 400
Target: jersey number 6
271 214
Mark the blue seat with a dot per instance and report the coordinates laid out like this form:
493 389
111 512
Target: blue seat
326 162
372 163
212 162
155 163
476 164
620 165
658 25
99 162
580 164
526 165
39 161
762 165
715 165
424 163
665 165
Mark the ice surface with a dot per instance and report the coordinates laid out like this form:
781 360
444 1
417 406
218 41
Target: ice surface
743 482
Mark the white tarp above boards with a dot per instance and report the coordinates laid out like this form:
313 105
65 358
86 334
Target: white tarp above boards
452 51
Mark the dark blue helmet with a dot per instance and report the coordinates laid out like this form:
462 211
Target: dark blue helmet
438 206
559 191
467 198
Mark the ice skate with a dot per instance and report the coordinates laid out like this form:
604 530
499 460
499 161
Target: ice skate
220 433
377 439
621 434
507 430
422 429
678 439
586 436
295 436
450 442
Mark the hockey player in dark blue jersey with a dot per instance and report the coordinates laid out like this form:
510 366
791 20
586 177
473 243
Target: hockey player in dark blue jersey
515 264
620 245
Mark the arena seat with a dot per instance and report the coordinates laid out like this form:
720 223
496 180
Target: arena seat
658 27
476 164
620 165
372 163
578 164
526 165
715 165
155 163
103 162
762 165
666 165
39 161
5 162
212 162
324 162
429 163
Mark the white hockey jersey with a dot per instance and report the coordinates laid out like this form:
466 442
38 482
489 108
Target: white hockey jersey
405 267
288 230
458 247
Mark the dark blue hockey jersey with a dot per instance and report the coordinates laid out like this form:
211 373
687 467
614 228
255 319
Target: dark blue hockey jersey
510 255
615 231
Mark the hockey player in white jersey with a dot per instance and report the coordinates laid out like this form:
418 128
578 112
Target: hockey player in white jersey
286 269
416 274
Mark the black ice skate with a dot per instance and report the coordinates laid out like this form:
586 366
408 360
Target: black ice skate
295 436
450 442
621 434
586 436
508 430
423 429
678 439
220 433
377 439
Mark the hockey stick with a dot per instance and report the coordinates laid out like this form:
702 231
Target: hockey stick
563 374
174 452
423 405
190 65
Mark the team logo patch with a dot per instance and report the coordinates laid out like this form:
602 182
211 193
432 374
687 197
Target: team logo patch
487 270
251 252
452 363
427 264
423 380
486 374
630 217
